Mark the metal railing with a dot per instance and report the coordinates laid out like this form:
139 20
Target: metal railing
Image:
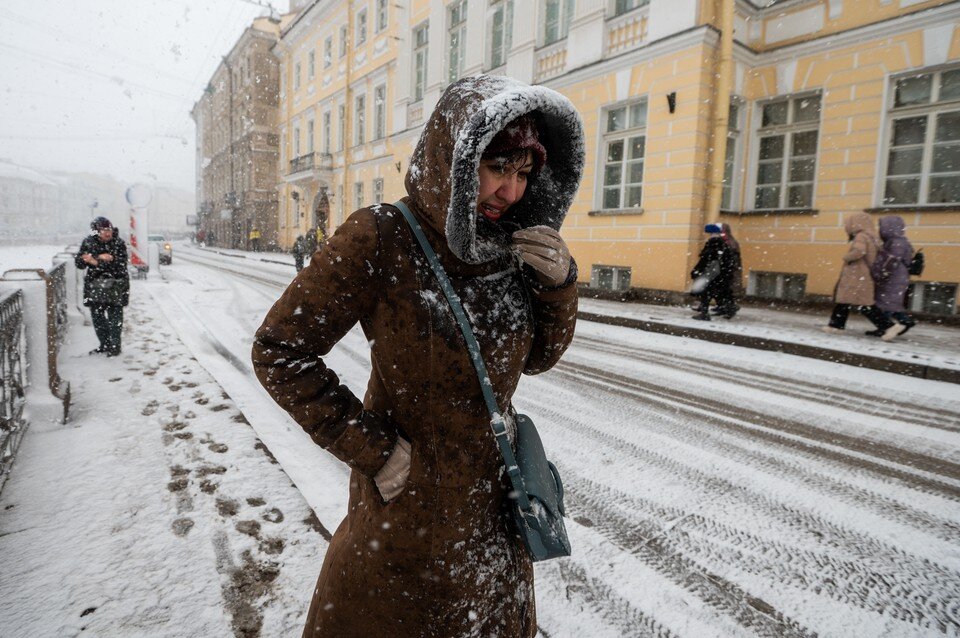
12 423
311 161
56 325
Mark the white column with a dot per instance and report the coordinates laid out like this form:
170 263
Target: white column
586 37
436 57
476 37
521 60
670 16
402 80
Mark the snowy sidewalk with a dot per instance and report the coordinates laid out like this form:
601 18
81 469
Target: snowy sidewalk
175 523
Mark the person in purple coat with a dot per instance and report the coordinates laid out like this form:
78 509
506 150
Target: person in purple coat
892 278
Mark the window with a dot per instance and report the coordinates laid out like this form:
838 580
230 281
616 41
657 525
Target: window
610 277
730 159
341 126
360 111
343 40
923 147
380 112
312 65
420 42
501 28
777 285
556 20
296 76
787 159
623 6
326 132
625 143
361 27
358 194
382 8
456 38
378 190
342 204
296 141
937 298
328 51
310 132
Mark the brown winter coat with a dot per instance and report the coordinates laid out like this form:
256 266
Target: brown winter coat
855 285
441 558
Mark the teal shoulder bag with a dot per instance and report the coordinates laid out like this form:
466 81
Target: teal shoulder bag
536 501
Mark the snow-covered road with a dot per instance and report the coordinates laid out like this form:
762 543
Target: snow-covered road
712 490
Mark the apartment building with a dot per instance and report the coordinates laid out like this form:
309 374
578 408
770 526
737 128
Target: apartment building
834 106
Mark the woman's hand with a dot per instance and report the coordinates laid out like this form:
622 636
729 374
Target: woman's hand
89 259
105 257
391 478
542 248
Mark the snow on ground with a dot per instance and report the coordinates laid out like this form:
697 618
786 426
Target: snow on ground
711 490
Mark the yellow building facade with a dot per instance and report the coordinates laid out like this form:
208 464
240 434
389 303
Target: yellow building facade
835 107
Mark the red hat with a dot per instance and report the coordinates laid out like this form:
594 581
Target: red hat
521 133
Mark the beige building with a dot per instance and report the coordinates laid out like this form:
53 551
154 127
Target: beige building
236 124
826 107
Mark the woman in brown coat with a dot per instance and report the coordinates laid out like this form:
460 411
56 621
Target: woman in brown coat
426 548
855 286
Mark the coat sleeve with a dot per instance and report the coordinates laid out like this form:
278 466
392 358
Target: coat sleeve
317 309
555 317
858 249
77 260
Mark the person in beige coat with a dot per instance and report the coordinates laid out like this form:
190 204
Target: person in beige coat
427 547
855 287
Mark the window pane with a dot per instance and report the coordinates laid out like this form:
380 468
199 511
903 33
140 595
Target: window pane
945 189
915 90
909 130
633 196
616 120
948 127
801 170
612 174
806 109
905 162
805 143
902 191
637 145
946 158
615 151
770 173
950 85
635 173
771 147
733 117
638 114
774 113
800 196
611 198
768 197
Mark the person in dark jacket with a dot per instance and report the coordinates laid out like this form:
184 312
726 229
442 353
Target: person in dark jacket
106 285
891 277
719 271
299 251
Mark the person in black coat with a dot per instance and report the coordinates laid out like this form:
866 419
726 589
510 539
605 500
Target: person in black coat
299 252
106 284
717 273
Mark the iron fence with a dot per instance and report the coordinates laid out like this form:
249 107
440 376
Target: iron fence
12 423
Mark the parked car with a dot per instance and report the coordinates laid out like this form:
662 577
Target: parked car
165 248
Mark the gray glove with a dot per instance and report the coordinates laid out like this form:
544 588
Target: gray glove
542 248
391 478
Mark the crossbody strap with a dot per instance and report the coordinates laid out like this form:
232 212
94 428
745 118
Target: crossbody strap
497 422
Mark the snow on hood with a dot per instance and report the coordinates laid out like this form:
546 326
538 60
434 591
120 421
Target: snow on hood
443 181
891 227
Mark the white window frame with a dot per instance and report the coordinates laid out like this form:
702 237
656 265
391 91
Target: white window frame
383 16
456 39
380 112
361 28
360 119
378 190
499 18
932 110
620 7
311 64
634 127
343 40
358 194
328 51
327 133
731 196
296 142
787 131
565 10
296 75
421 48
311 131
341 126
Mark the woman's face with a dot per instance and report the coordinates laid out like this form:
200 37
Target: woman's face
502 185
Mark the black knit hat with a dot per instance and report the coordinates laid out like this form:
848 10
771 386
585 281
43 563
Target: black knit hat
100 223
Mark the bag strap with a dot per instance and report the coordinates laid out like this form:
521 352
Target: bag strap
497 422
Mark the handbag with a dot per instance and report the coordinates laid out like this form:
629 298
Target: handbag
916 264
536 501
107 291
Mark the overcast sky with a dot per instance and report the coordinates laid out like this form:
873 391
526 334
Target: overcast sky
107 85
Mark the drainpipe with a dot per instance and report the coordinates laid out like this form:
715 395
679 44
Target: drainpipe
721 108
348 112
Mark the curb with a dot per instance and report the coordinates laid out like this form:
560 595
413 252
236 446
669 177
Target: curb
918 370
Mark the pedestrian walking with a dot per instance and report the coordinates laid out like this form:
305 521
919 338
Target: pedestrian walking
891 277
106 283
299 251
427 547
855 287
718 273
255 239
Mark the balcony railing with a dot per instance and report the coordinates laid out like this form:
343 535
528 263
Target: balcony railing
627 31
311 161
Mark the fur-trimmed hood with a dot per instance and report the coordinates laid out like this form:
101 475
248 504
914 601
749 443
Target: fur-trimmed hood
443 181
